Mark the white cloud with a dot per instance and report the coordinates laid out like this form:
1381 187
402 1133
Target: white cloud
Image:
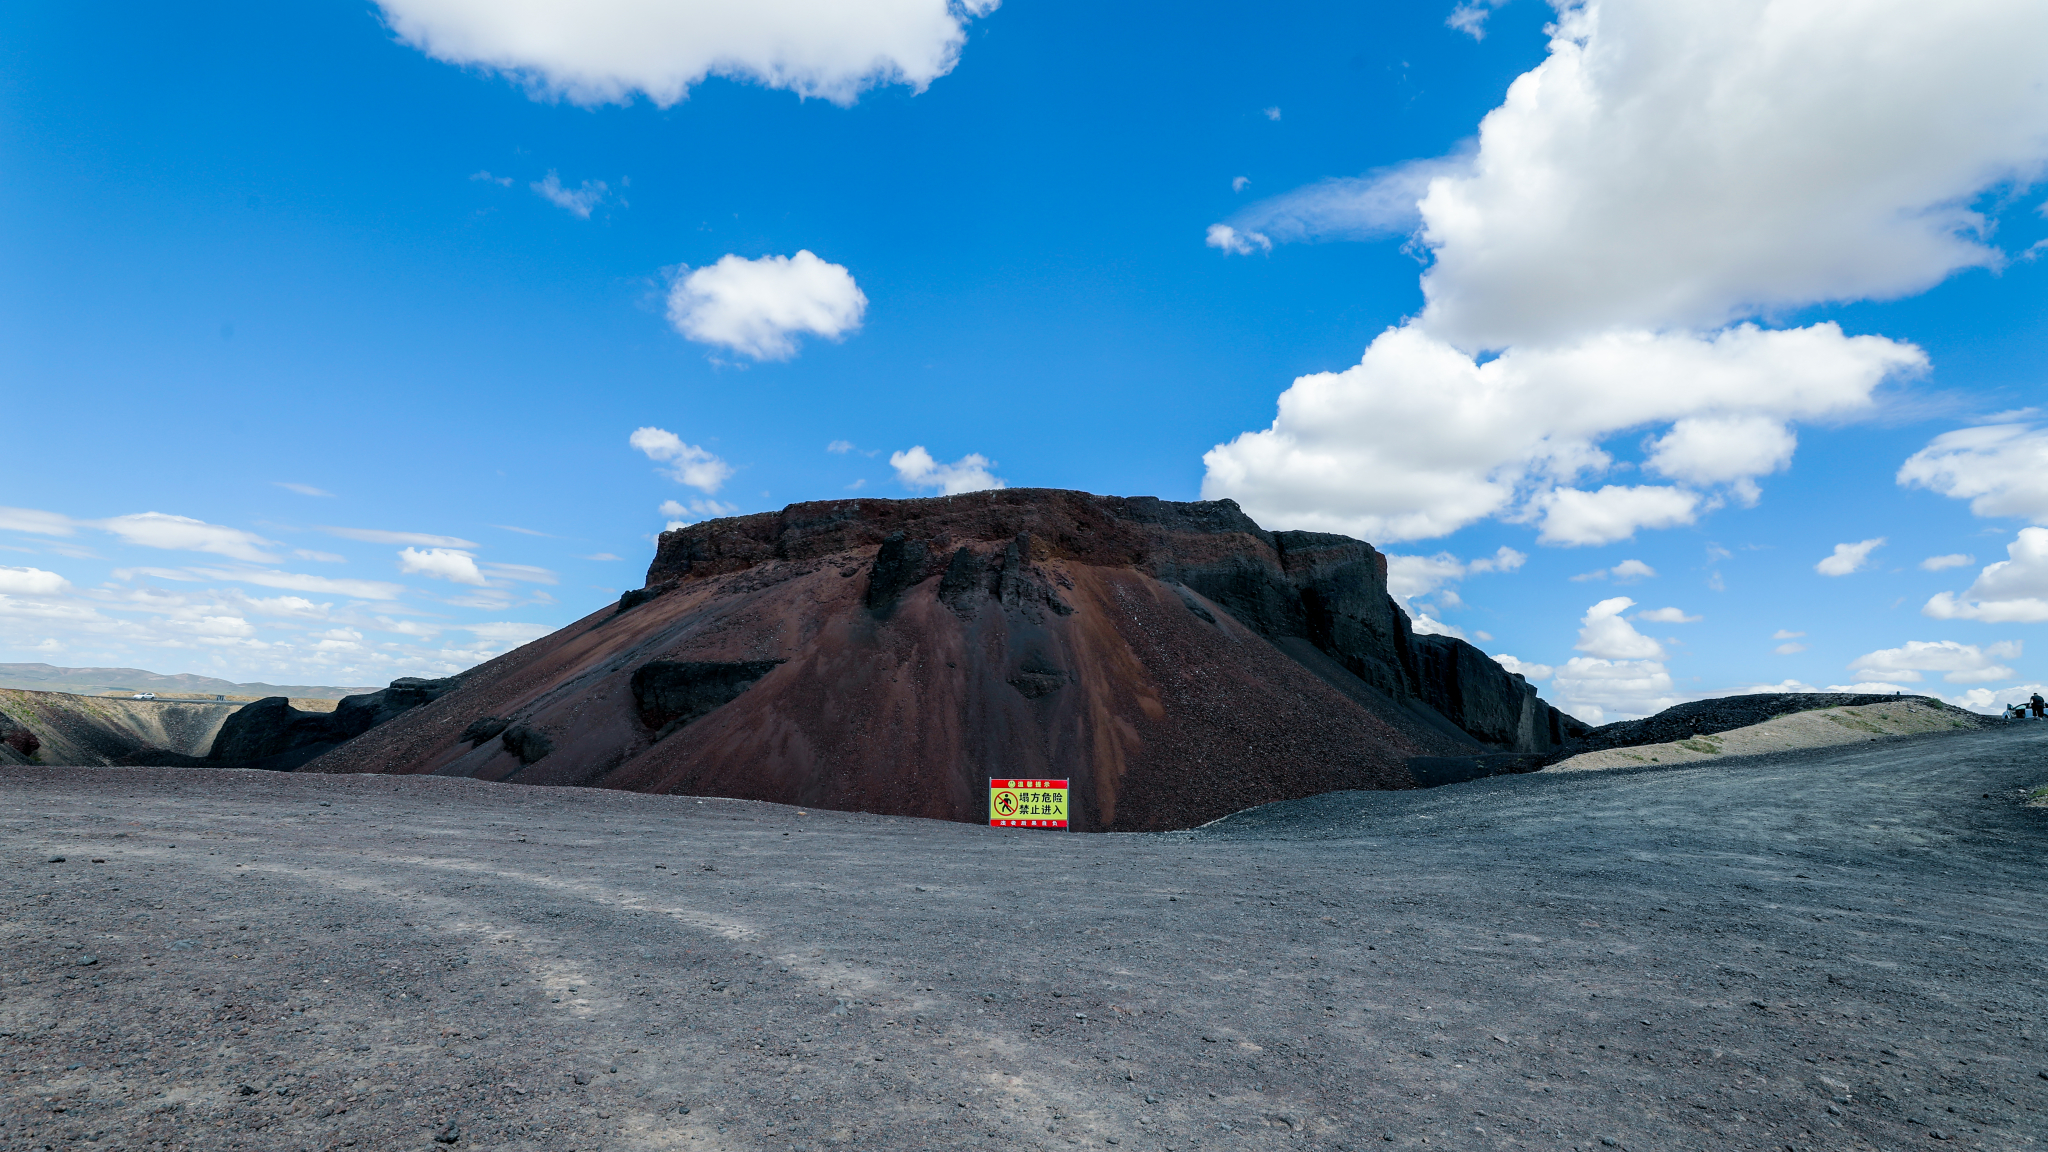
298 582
451 564
184 534
603 556
1572 516
577 201
1412 576
696 510
1239 183
1848 558
1504 559
2013 590
1667 616
1731 450
416 539
31 582
689 464
1672 167
1596 690
1427 625
1963 663
2001 469
1789 649
1273 113
1786 634
524 573
1631 570
1527 670
758 307
31 520
1419 439
486 177
1952 560
606 51
1470 16
1378 204
1686 162
840 447
971 473
1606 635
318 556
302 489
508 635
292 607
1236 243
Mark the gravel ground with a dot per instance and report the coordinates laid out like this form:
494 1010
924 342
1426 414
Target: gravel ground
1833 949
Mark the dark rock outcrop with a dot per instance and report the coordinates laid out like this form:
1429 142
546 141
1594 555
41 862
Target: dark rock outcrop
484 729
528 744
272 734
898 566
18 736
673 693
1174 660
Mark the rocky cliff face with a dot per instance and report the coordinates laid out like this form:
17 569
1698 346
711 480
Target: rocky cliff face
272 734
1175 661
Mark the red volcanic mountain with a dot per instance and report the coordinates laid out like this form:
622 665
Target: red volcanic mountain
1176 662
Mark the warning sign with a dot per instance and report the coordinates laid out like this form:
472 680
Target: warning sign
1027 803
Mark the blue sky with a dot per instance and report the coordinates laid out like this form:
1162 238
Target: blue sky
327 329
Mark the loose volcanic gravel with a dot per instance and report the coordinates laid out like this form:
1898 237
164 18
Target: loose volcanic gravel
1828 949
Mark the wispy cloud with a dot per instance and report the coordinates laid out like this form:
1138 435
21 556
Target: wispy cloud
302 489
380 536
577 201
1377 204
32 520
184 534
298 582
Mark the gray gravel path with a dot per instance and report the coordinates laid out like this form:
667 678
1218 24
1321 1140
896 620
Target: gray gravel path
1840 949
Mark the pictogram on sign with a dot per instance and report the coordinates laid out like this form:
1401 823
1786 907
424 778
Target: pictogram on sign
1027 803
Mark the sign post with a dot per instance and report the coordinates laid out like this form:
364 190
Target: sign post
1027 803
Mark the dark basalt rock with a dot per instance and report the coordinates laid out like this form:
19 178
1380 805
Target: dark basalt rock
673 693
634 597
480 731
18 737
1319 596
272 734
898 567
1038 677
529 744
1495 705
963 578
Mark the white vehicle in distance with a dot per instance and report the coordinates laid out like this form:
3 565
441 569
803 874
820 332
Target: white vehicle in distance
145 695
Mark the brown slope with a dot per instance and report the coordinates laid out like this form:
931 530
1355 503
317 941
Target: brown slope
908 650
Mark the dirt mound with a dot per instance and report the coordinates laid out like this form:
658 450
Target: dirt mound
1787 731
1174 661
1727 713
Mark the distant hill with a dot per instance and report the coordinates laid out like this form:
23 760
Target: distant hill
96 681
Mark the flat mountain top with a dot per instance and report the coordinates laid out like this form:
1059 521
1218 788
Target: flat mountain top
98 681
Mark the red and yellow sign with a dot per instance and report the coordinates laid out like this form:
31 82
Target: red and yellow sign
1027 803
